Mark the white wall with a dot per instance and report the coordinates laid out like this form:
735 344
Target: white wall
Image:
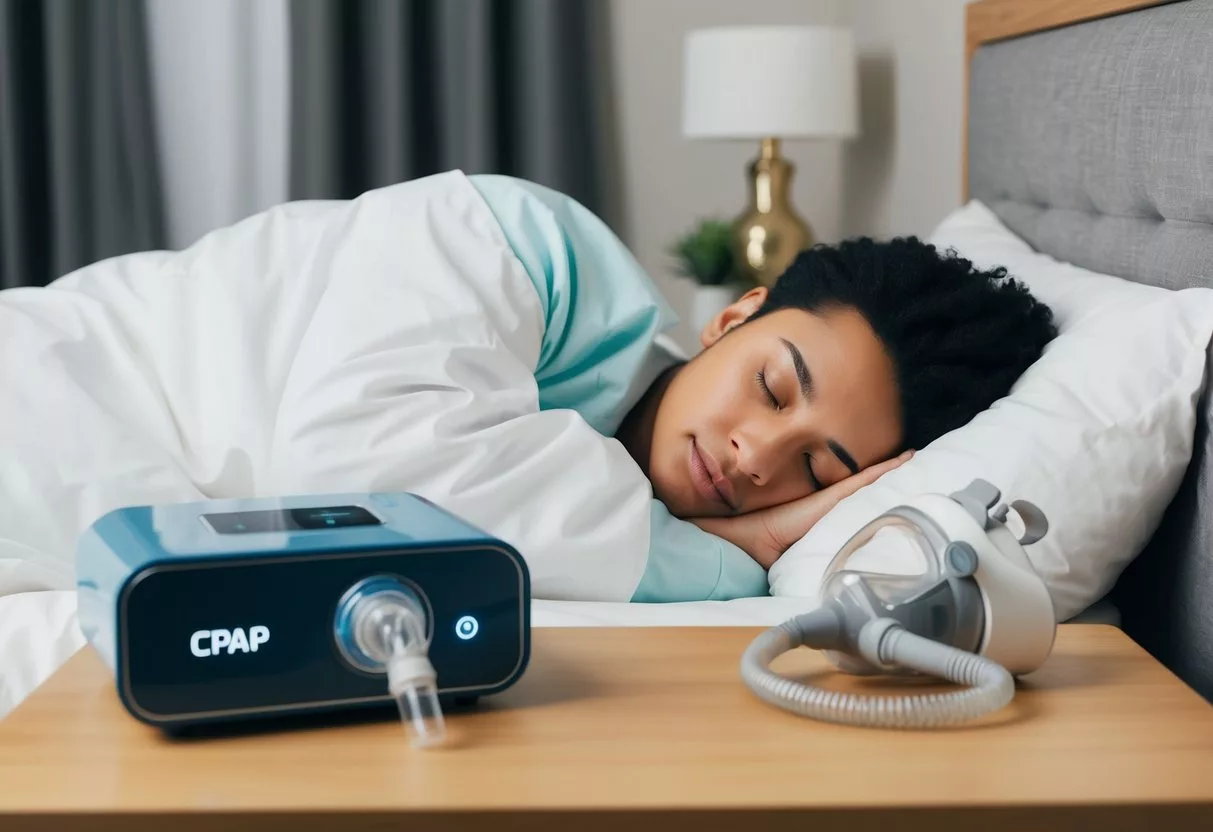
900 177
904 173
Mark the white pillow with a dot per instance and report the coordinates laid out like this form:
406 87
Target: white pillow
1098 433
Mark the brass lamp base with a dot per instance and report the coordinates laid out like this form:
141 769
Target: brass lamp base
769 234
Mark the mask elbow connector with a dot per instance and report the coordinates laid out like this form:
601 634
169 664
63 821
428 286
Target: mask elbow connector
413 684
411 678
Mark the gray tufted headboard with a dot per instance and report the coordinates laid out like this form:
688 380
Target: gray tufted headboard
1090 133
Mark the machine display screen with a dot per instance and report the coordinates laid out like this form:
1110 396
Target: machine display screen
290 520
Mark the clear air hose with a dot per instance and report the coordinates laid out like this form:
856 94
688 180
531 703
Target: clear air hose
884 643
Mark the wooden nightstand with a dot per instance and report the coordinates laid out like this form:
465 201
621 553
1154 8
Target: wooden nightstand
638 729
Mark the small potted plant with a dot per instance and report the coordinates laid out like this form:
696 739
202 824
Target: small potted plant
705 256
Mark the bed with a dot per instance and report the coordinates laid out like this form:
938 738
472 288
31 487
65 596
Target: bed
1049 82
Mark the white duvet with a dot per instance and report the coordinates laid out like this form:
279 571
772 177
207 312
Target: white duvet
381 344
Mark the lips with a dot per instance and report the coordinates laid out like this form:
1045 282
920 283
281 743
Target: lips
708 479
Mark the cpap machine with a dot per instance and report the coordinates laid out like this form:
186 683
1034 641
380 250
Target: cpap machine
940 586
242 609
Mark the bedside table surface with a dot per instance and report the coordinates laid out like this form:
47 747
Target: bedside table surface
638 720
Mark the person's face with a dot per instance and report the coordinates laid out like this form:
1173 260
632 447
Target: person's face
783 406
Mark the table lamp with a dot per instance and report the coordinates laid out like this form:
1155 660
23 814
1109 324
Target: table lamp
769 84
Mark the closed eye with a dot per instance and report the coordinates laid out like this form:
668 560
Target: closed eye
761 378
808 463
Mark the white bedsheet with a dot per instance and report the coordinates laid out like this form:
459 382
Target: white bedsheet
38 633
38 630
741 612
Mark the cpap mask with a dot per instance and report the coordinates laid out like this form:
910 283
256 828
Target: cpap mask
939 586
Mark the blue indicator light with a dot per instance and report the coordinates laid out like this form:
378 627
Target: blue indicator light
467 627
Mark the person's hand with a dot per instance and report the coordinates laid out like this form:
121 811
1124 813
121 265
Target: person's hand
767 533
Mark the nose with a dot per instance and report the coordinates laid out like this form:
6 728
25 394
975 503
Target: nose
757 454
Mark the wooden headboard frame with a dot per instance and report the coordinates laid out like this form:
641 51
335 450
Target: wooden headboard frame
987 21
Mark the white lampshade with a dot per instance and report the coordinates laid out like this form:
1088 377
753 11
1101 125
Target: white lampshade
753 82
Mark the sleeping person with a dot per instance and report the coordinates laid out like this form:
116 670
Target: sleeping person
489 344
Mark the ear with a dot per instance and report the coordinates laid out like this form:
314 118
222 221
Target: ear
732 315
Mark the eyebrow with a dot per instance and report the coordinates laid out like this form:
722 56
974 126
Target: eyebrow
806 390
802 369
842 454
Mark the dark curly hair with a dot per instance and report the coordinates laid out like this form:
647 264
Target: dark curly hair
958 337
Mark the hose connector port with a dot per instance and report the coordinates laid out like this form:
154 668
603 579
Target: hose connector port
383 625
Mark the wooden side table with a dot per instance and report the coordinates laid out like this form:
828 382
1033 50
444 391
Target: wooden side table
638 729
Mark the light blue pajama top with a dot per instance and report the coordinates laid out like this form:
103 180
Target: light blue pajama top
602 316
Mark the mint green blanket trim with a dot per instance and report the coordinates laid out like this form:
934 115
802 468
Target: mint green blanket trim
602 311
688 564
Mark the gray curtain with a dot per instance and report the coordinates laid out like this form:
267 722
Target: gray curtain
389 90
78 168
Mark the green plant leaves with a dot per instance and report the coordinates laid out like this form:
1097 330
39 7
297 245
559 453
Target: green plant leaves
705 253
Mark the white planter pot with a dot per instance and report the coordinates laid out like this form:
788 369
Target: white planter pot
707 302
